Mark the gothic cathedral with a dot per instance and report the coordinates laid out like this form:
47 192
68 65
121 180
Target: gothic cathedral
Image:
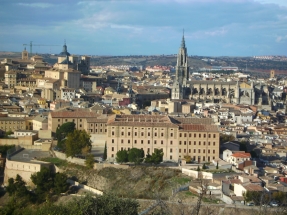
182 74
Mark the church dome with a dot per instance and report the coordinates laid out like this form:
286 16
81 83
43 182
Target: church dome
64 51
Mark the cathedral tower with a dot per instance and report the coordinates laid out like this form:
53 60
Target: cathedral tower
25 54
182 73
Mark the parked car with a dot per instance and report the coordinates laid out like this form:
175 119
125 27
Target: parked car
250 204
274 204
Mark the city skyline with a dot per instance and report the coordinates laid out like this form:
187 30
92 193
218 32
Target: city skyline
211 27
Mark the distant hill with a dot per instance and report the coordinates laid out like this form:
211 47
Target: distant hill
253 65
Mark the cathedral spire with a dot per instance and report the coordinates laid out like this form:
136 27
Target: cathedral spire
183 41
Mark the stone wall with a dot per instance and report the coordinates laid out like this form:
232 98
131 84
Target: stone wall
25 170
75 183
79 161
197 174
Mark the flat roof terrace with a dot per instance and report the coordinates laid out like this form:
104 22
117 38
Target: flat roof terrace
28 155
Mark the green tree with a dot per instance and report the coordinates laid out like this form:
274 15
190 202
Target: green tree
226 138
7 133
156 157
60 183
105 152
122 156
63 131
90 161
204 166
76 141
198 168
17 187
136 155
217 165
44 181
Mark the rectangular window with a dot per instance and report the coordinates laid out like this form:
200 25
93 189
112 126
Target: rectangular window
203 150
194 143
136 133
184 142
213 151
184 150
113 141
214 143
184 134
112 149
198 150
148 134
161 134
204 135
155 142
189 134
189 150
171 142
161 142
199 135
148 142
170 157
135 141
179 134
179 142
209 135
113 133
141 141
214 136
170 150
58 120
142 134
171 134
199 143
122 133
194 150
129 141
179 150
194 135
129 133
122 141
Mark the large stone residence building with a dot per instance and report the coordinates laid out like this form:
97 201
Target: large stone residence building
176 136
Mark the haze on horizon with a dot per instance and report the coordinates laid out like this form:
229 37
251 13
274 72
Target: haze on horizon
151 27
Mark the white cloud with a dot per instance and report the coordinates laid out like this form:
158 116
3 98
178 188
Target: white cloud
281 38
209 33
39 5
277 2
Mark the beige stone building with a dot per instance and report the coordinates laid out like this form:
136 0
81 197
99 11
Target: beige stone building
83 118
177 137
12 124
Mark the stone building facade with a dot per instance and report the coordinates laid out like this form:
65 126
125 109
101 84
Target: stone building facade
175 136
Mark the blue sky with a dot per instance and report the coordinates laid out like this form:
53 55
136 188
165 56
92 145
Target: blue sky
147 27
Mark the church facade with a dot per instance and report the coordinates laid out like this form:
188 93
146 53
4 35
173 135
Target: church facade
208 91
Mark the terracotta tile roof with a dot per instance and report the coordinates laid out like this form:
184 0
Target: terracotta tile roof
73 114
253 187
241 155
197 127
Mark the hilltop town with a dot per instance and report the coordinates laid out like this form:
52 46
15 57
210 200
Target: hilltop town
220 124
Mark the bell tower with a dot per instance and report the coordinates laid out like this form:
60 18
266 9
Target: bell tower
182 73
25 55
